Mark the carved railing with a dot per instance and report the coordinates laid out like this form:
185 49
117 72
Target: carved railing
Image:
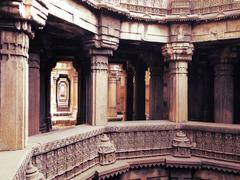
153 7
175 7
214 142
60 155
214 6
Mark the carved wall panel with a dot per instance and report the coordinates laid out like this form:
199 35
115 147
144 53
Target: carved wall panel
69 157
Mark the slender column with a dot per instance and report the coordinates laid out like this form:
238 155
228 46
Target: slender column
13 90
83 73
99 86
139 113
112 93
178 55
42 99
224 86
129 92
54 77
75 96
156 92
34 94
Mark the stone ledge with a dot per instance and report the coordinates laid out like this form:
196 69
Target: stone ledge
66 140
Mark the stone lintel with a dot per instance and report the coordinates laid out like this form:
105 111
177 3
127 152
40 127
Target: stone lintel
180 33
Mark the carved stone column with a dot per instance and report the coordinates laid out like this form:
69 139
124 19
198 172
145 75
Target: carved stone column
99 47
34 94
98 86
224 86
156 92
139 101
14 90
16 29
178 55
112 93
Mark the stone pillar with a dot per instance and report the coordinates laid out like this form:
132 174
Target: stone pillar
83 92
16 29
129 92
156 92
224 87
75 96
13 90
34 94
139 101
112 93
98 86
178 55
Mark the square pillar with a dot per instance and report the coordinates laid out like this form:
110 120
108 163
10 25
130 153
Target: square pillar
156 92
139 95
178 55
34 94
13 90
98 86
224 85
112 92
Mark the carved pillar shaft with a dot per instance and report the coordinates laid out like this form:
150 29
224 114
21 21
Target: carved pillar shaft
112 96
156 92
178 55
178 86
99 87
13 90
223 93
34 94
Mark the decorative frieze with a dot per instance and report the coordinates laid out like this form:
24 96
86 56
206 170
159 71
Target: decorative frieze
213 146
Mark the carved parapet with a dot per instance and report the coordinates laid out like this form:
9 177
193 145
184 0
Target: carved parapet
181 145
178 51
106 151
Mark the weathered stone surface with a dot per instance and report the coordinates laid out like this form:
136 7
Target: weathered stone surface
106 151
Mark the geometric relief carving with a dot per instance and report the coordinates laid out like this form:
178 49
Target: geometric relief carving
59 158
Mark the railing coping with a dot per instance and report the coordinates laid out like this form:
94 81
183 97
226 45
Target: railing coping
12 161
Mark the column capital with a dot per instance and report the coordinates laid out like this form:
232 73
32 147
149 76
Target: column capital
101 43
21 15
178 51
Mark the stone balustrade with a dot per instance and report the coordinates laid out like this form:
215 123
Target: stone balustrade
174 7
74 152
